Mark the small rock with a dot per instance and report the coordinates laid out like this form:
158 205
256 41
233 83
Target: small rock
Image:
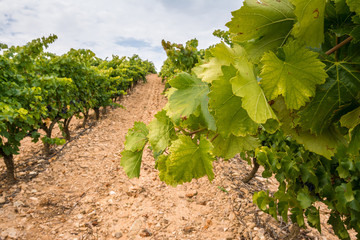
18 204
136 226
191 194
230 237
244 190
80 216
112 193
34 199
188 229
2 200
33 173
145 233
10 233
251 225
232 216
118 235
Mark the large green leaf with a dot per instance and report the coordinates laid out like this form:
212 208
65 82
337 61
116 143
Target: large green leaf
351 119
230 116
310 21
187 160
354 145
161 132
131 162
324 144
313 217
295 77
187 94
229 147
354 6
264 24
304 198
341 88
245 85
210 70
136 137
338 226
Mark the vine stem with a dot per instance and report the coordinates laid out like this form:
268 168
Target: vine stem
196 131
339 45
252 173
214 137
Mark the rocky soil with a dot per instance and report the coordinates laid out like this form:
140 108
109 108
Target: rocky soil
81 192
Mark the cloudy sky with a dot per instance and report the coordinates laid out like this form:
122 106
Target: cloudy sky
120 27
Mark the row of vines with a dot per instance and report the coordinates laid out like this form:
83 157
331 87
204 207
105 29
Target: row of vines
39 90
283 91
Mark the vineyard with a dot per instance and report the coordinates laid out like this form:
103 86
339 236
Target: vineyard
40 90
256 137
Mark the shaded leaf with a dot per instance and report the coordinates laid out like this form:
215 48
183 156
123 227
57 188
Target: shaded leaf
342 87
229 147
324 144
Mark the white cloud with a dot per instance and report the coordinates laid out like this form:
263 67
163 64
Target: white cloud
121 27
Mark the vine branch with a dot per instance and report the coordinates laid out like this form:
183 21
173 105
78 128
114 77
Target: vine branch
339 45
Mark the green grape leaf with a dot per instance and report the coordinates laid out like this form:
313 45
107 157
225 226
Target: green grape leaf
313 217
354 145
230 117
341 7
188 93
342 87
210 70
355 33
245 85
264 25
262 200
187 161
354 6
304 198
338 226
344 194
131 162
295 77
351 119
136 137
310 25
297 216
324 144
161 132
161 165
229 147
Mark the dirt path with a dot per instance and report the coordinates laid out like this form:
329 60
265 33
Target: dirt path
84 194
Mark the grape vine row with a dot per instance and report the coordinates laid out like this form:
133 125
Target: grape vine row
284 90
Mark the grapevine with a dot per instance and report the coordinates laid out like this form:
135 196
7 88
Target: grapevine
285 92
39 90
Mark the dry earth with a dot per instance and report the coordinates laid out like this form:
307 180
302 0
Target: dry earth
82 192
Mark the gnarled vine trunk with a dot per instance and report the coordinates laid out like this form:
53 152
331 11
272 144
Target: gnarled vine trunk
10 166
253 171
